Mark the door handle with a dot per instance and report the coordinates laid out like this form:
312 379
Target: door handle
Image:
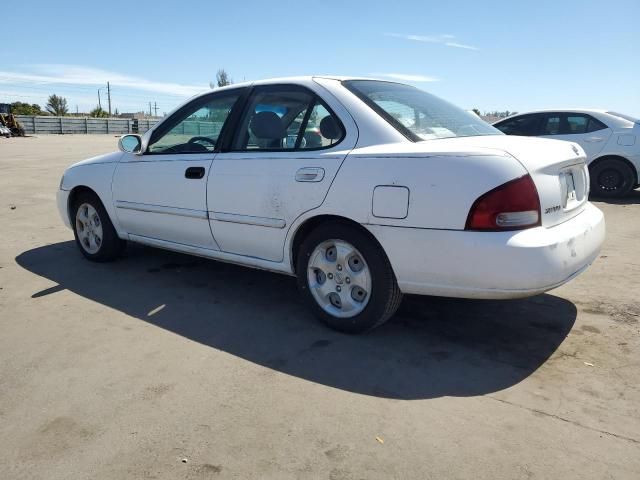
593 139
310 174
194 173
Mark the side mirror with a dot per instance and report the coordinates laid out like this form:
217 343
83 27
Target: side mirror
130 144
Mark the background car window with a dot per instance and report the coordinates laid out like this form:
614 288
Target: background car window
595 125
551 125
196 131
286 120
576 124
525 125
570 124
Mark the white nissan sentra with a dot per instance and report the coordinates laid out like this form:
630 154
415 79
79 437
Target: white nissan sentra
363 189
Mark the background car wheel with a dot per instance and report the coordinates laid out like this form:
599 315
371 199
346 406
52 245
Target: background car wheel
611 177
346 278
93 230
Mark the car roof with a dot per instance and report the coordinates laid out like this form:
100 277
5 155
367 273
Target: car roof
301 79
606 116
563 110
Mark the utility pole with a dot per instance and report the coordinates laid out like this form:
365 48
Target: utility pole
149 108
99 104
155 108
109 97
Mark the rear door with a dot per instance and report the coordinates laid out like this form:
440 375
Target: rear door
288 146
162 194
583 129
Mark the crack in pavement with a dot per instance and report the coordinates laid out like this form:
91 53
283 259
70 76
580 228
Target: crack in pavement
566 420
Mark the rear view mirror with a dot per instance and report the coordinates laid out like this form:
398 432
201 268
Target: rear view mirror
130 143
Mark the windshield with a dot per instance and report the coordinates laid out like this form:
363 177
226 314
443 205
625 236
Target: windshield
417 114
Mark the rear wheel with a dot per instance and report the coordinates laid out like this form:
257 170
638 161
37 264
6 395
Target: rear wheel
93 230
346 278
611 177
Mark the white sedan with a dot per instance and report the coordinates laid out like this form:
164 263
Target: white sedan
610 140
363 189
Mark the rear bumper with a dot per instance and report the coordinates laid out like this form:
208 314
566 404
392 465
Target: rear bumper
62 199
492 264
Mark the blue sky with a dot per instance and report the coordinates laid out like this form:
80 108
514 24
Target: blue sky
491 55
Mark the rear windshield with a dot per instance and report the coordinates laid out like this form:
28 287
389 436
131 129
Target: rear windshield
628 118
417 114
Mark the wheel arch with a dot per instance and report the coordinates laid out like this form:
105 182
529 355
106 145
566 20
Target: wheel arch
306 227
73 195
619 158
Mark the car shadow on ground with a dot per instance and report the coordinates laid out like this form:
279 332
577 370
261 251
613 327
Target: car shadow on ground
632 198
433 347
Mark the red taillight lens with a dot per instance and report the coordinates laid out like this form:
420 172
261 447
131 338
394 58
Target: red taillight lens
512 206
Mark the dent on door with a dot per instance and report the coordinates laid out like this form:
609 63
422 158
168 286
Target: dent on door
253 199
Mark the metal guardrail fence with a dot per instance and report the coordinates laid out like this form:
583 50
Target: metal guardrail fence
82 125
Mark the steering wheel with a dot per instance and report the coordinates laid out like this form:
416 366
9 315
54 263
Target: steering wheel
203 139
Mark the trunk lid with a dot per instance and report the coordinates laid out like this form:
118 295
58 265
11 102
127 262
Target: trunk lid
557 168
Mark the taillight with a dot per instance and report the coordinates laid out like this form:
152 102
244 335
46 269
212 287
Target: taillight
512 206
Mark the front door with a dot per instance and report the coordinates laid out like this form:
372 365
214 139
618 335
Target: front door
287 148
162 194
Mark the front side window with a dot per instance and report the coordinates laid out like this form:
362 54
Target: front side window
524 125
286 119
196 128
416 114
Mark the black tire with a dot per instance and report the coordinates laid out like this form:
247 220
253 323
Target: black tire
111 246
611 178
385 296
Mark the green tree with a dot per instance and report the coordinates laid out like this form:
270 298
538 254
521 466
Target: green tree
98 113
223 78
476 111
20 108
57 105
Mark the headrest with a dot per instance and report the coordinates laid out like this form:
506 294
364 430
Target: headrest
329 128
267 125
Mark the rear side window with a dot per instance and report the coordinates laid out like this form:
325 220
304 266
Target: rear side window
595 125
286 118
525 125
577 124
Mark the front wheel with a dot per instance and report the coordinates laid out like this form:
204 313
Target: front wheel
95 235
346 278
611 178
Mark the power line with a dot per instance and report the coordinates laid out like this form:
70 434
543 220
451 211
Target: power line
35 85
42 98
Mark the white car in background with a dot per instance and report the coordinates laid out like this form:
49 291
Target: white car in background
402 193
611 141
